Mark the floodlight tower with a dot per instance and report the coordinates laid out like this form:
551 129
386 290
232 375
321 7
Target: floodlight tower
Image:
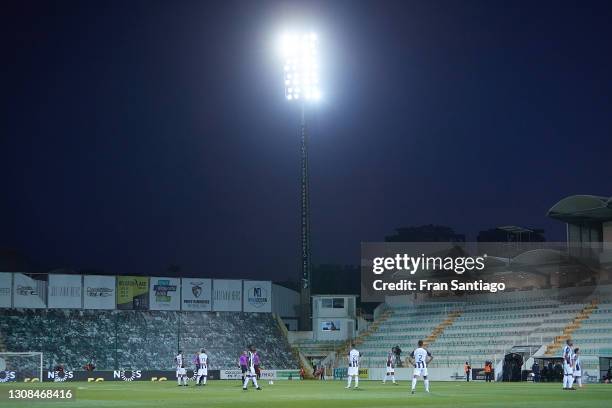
301 69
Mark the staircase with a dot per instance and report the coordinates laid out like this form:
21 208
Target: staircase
372 328
295 351
439 329
574 325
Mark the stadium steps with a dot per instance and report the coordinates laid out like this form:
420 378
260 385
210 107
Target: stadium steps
297 354
439 329
372 328
363 336
574 325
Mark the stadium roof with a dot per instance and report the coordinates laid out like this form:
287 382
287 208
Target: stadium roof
582 208
514 229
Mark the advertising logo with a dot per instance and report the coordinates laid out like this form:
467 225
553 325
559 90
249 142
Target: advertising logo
60 376
26 291
127 375
196 288
257 296
162 290
6 376
99 292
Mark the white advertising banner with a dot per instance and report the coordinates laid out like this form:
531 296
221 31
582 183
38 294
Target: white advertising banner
6 289
99 292
65 292
230 374
227 295
29 292
196 294
257 296
164 293
265 374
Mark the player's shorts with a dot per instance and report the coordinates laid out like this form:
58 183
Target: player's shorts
420 371
203 371
567 369
577 373
390 370
244 369
181 371
353 371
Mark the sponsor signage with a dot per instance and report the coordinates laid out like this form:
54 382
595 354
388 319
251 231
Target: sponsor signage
64 292
196 294
132 292
479 374
29 291
99 292
231 374
7 376
59 376
164 294
257 296
116 375
6 286
264 374
227 295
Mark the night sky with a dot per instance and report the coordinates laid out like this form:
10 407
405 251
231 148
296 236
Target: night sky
139 134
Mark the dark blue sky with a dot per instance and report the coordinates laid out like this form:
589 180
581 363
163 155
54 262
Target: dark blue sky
141 133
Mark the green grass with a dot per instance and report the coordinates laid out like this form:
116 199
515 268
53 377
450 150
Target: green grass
318 394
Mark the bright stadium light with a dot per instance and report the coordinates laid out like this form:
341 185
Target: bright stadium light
300 55
301 65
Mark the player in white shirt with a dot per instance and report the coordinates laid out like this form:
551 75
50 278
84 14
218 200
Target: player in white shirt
250 373
420 358
390 363
353 366
577 368
181 371
568 365
203 367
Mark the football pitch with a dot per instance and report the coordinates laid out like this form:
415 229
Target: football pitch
311 394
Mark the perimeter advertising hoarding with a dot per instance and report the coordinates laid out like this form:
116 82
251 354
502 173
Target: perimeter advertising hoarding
29 291
196 294
132 292
257 296
99 292
6 292
65 291
165 293
227 295
116 375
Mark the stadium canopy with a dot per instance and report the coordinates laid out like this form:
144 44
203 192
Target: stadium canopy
582 208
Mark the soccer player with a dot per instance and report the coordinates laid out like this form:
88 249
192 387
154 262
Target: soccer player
577 367
390 366
420 358
242 362
568 365
256 364
196 364
203 368
250 374
181 372
353 366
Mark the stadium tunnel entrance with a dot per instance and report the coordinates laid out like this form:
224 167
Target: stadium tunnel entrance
513 362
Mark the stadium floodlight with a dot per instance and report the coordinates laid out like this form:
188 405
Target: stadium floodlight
301 67
300 55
